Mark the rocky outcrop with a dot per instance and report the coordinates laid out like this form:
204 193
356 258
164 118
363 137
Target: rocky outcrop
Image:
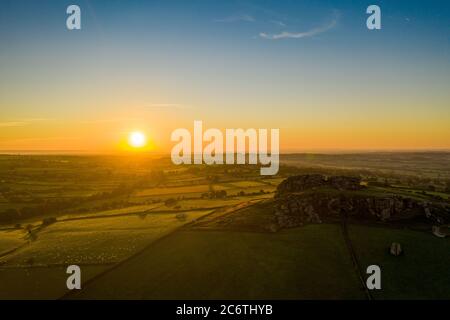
312 181
295 207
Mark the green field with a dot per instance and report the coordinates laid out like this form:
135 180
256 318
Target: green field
39 282
10 239
143 228
422 272
306 263
96 241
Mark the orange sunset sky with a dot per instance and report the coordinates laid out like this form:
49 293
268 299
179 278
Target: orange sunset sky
153 69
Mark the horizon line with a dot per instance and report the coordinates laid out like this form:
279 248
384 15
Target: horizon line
148 153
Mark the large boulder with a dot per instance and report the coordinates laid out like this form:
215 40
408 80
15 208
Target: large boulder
396 249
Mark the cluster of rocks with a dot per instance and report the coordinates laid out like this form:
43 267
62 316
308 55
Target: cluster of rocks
295 208
292 211
311 181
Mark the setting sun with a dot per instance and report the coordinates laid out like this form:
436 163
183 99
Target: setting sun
137 139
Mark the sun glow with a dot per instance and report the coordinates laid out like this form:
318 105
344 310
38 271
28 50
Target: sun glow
137 139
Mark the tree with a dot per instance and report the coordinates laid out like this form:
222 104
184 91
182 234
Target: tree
221 194
48 221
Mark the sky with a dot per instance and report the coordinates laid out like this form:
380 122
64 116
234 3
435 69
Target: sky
309 68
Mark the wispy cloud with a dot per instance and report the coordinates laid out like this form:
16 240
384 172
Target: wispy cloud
21 122
14 141
36 119
305 34
13 124
108 120
278 23
168 105
236 18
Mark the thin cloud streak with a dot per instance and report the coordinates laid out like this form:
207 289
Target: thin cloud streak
236 18
13 124
168 105
278 23
112 120
21 122
305 34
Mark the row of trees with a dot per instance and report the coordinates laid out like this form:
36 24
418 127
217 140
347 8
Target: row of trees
12 215
220 194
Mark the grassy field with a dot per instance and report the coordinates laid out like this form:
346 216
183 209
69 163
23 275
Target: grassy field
305 263
96 241
177 190
10 239
95 244
168 232
421 273
39 283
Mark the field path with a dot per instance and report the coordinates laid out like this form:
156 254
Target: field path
353 255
